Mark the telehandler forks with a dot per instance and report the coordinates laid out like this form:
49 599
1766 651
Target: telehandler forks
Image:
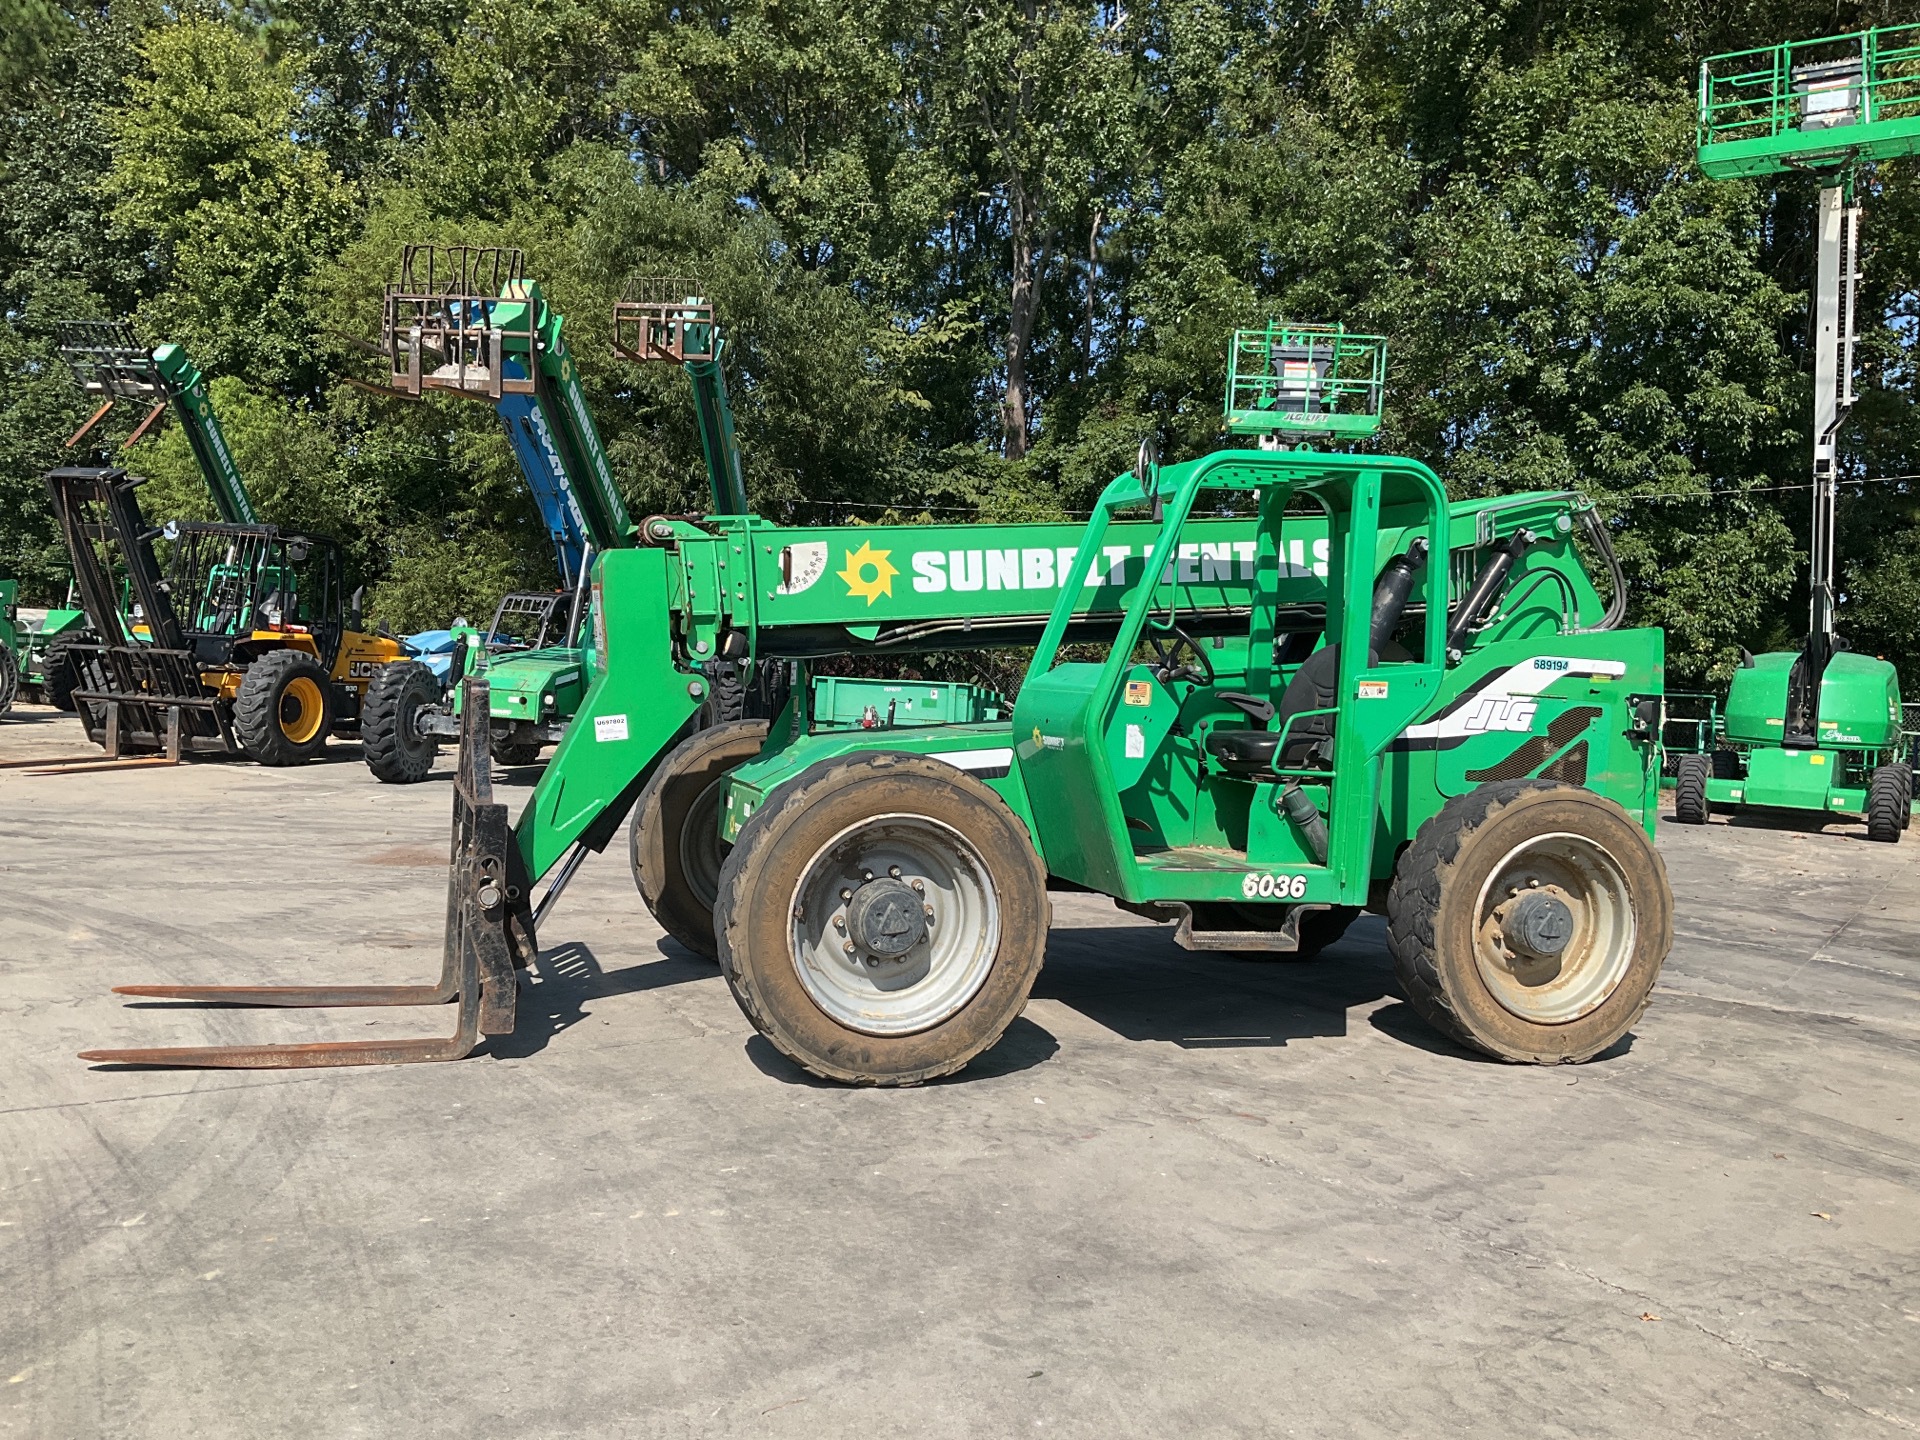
477 964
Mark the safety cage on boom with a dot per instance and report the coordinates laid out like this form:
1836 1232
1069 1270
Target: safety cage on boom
450 322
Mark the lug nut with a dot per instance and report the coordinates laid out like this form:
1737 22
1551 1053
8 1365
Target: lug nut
840 923
866 877
845 895
927 910
894 871
848 947
919 887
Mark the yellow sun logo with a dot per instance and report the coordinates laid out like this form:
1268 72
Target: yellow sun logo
869 587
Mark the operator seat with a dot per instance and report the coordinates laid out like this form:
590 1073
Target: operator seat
1252 752
1316 686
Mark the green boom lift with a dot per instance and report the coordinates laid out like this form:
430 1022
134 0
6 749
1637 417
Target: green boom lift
1818 730
1441 718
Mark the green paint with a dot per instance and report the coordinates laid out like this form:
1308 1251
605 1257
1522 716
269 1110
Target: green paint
1759 115
1107 766
186 391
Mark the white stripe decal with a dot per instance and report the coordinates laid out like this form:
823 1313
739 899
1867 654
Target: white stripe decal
1001 760
1506 702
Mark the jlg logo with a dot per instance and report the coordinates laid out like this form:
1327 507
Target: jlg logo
1508 714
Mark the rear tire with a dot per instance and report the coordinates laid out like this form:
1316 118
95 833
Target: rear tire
1690 804
9 679
390 739
674 841
284 711
1726 765
513 754
916 997
1529 920
1887 805
59 676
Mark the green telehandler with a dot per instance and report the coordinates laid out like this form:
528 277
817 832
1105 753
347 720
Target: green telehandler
12 645
1445 721
1818 730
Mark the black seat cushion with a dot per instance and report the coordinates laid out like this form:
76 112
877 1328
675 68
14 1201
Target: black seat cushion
1243 752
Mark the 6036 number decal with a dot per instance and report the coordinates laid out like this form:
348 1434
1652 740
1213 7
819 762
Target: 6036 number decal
1273 887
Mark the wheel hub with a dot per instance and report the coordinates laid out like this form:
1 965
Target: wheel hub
895 925
886 919
1555 933
1539 923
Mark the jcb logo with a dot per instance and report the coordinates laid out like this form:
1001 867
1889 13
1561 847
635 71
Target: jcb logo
362 669
1492 714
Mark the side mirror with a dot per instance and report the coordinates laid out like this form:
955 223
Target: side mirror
1146 465
354 604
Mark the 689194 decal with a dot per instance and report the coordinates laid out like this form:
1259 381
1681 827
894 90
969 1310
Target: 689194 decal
1273 887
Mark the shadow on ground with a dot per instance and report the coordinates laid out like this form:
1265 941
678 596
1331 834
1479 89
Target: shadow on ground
565 978
1136 982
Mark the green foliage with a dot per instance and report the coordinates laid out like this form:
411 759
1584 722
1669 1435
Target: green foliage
209 173
966 255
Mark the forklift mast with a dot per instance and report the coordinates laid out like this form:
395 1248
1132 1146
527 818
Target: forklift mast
108 360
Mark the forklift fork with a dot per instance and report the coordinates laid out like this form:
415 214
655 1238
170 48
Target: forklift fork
487 923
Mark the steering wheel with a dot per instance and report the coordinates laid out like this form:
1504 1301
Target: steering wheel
1167 642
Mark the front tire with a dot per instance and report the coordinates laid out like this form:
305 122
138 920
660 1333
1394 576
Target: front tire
824 933
9 679
1529 920
390 738
1888 804
284 710
1690 804
674 841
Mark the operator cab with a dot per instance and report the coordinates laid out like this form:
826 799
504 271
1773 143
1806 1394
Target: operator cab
1211 755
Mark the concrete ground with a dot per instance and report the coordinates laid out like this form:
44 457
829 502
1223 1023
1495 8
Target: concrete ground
1184 1197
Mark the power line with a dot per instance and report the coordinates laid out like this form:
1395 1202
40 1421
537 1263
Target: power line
1759 490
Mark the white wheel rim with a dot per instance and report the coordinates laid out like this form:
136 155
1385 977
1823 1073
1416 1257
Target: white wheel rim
880 994
1583 877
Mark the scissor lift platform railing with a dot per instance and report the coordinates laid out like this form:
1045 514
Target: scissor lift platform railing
1811 104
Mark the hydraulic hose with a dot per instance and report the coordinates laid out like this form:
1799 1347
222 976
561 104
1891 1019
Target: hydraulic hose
1603 546
1486 588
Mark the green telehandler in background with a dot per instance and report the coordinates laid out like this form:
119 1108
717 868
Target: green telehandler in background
12 645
